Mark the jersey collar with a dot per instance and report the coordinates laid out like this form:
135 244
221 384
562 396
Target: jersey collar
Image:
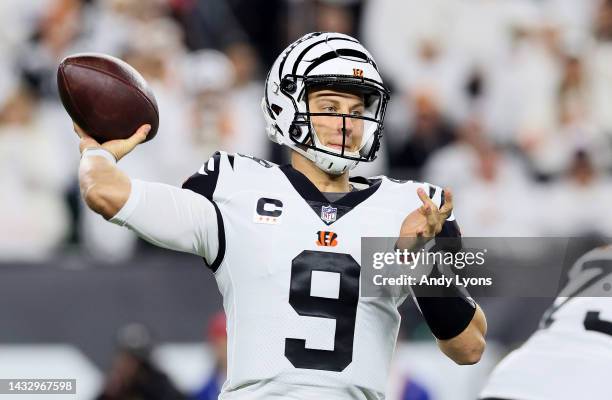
309 192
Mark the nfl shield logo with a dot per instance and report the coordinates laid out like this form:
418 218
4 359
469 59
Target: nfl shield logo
329 213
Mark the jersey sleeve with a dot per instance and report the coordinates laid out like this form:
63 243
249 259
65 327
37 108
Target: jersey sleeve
212 182
173 218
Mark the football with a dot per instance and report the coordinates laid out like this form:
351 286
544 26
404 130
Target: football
106 97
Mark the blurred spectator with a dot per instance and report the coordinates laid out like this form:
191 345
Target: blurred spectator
247 134
574 16
603 21
139 10
500 201
33 217
392 28
576 123
268 33
454 165
207 23
600 60
573 91
523 87
335 16
59 31
435 68
217 339
208 78
576 203
16 23
133 375
490 186
113 23
323 15
429 131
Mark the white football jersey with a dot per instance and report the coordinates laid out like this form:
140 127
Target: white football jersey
570 356
287 262
289 272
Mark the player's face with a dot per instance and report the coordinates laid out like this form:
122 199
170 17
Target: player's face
329 129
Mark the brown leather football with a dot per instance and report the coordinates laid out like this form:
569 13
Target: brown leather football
106 96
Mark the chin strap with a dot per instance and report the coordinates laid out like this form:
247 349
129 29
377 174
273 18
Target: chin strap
331 164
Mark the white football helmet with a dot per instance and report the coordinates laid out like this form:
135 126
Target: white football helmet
324 59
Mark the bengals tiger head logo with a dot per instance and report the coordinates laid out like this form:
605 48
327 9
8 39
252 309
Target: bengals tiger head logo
357 72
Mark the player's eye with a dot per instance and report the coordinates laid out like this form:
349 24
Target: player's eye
357 112
330 109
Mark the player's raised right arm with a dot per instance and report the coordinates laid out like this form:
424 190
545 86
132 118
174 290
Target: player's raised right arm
164 215
104 187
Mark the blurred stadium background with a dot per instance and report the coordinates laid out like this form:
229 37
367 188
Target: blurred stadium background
509 102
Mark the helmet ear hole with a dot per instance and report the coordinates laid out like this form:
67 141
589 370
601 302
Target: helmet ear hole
288 85
294 131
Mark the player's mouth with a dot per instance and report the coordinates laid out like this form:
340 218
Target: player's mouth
338 147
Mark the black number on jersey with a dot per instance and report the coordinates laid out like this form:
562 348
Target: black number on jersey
343 309
591 321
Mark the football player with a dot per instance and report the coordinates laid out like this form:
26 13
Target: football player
284 242
570 356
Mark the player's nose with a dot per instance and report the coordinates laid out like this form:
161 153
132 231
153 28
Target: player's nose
344 126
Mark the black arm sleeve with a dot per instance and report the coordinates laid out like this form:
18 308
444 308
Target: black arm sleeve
447 310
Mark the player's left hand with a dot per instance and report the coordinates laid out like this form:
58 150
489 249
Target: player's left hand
425 222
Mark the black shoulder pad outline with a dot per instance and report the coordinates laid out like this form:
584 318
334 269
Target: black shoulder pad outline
221 237
204 182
